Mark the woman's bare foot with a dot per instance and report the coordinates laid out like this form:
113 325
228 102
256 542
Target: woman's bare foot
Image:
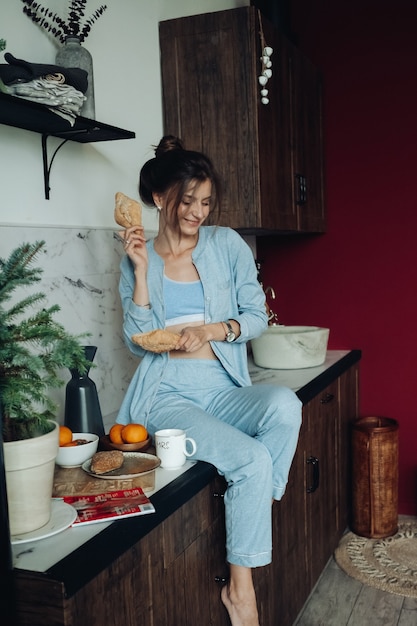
238 596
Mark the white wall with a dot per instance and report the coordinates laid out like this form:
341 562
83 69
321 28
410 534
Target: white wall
84 178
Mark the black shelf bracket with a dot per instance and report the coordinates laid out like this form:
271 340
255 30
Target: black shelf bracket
21 113
47 166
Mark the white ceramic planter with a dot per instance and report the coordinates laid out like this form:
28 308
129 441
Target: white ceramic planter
30 466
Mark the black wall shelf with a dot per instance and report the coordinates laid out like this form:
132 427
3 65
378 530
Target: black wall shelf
36 117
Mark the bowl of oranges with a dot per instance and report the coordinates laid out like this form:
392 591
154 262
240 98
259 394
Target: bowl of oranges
127 438
75 448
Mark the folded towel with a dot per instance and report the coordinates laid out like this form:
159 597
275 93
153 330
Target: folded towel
61 99
19 70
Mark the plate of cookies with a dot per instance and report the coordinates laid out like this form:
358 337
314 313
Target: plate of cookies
111 464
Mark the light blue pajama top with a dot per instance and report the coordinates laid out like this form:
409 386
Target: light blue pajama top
227 272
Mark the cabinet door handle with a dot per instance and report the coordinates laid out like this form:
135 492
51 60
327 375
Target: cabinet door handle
301 187
328 397
313 460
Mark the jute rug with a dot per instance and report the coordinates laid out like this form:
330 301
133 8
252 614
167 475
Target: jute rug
389 564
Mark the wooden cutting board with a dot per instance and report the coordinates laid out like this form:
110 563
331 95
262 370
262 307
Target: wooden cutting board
75 481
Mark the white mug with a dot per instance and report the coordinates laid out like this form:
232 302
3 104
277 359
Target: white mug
171 447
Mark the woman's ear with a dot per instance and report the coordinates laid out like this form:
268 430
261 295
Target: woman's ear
157 199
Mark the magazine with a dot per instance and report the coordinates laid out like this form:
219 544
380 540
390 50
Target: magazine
109 506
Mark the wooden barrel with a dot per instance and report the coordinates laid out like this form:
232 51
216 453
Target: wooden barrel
375 477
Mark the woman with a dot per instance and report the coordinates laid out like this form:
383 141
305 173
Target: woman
200 281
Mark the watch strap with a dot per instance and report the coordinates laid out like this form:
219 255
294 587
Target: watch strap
230 333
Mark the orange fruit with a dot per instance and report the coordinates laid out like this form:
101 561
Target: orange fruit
70 444
134 433
65 435
115 433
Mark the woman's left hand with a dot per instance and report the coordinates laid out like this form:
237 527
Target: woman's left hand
193 338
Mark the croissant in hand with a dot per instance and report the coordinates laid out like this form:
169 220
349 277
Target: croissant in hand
157 340
127 212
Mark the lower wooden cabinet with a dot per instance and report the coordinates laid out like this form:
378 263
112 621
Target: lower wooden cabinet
314 512
194 560
173 575
321 490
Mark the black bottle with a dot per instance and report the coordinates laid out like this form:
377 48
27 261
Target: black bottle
82 407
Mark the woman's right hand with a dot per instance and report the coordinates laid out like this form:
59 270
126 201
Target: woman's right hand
135 247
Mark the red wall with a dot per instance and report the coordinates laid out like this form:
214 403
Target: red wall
360 278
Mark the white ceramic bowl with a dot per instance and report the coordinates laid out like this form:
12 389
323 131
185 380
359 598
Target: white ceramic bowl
73 456
290 347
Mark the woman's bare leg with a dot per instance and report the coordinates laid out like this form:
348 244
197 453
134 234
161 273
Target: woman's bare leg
239 598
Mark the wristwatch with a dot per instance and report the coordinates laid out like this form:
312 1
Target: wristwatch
230 335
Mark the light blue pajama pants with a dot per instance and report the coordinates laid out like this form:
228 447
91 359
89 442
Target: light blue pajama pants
248 433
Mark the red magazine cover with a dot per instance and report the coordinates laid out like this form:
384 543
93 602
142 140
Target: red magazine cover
110 506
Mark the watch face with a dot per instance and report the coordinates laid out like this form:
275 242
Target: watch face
230 336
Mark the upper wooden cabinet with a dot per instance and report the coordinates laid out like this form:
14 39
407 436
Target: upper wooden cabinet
270 156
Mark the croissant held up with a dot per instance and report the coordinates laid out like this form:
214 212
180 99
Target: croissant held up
127 212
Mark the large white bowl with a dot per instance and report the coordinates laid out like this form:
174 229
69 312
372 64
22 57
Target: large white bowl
73 456
290 347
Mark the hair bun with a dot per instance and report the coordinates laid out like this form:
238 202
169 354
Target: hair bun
168 143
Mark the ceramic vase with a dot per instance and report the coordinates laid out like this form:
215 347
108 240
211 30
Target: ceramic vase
82 407
30 466
73 54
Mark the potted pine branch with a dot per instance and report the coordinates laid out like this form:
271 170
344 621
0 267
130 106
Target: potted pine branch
33 349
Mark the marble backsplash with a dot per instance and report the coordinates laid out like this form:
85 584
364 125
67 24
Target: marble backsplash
81 275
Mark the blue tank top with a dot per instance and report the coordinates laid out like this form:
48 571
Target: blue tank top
184 301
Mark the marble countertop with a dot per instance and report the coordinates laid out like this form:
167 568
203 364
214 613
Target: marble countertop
56 554
294 379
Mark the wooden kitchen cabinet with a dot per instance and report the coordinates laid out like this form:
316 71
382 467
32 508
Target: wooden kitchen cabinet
314 512
194 559
270 156
305 532
321 493
307 153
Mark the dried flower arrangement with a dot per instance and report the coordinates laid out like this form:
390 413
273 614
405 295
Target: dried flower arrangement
60 28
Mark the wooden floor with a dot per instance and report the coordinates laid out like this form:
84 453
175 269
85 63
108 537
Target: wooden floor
339 600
